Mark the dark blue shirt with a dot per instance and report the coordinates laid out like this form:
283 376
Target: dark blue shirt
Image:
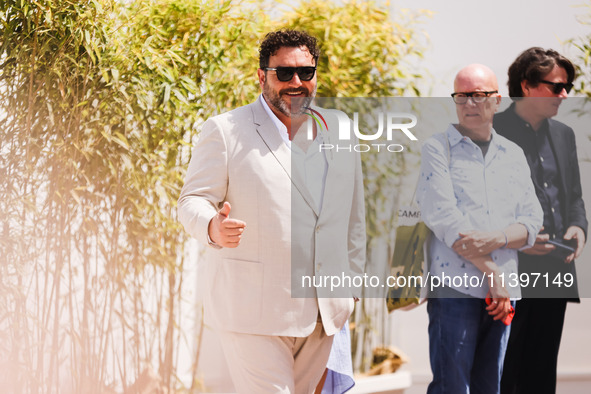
544 170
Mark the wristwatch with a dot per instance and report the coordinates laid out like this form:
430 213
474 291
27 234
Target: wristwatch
211 243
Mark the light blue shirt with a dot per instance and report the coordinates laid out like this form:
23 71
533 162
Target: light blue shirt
459 190
339 378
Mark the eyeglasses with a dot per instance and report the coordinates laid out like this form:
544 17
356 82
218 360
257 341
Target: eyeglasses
285 74
558 86
477 97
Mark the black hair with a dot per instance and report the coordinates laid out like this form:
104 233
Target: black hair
532 65
286 38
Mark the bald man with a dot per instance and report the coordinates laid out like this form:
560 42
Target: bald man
477 197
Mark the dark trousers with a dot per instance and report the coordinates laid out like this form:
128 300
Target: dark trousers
532 352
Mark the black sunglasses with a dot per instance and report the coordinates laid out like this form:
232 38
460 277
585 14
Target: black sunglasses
285 74
558 86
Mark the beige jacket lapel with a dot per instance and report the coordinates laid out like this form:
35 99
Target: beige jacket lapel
270 136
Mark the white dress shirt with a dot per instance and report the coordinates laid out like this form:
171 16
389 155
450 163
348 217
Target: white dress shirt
311 164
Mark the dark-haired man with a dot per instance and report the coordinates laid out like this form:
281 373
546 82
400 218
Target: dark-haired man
262 202
539 80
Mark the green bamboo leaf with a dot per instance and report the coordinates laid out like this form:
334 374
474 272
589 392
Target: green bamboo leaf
115 74
166 93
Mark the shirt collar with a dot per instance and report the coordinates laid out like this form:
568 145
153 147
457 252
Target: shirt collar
281 128
455 137
521 122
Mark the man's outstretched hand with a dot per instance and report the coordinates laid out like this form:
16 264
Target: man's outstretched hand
223 230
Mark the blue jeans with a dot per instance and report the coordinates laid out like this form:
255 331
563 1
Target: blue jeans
466 347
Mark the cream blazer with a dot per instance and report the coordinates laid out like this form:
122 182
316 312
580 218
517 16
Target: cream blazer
241 158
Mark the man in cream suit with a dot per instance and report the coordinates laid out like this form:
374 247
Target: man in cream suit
274 207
